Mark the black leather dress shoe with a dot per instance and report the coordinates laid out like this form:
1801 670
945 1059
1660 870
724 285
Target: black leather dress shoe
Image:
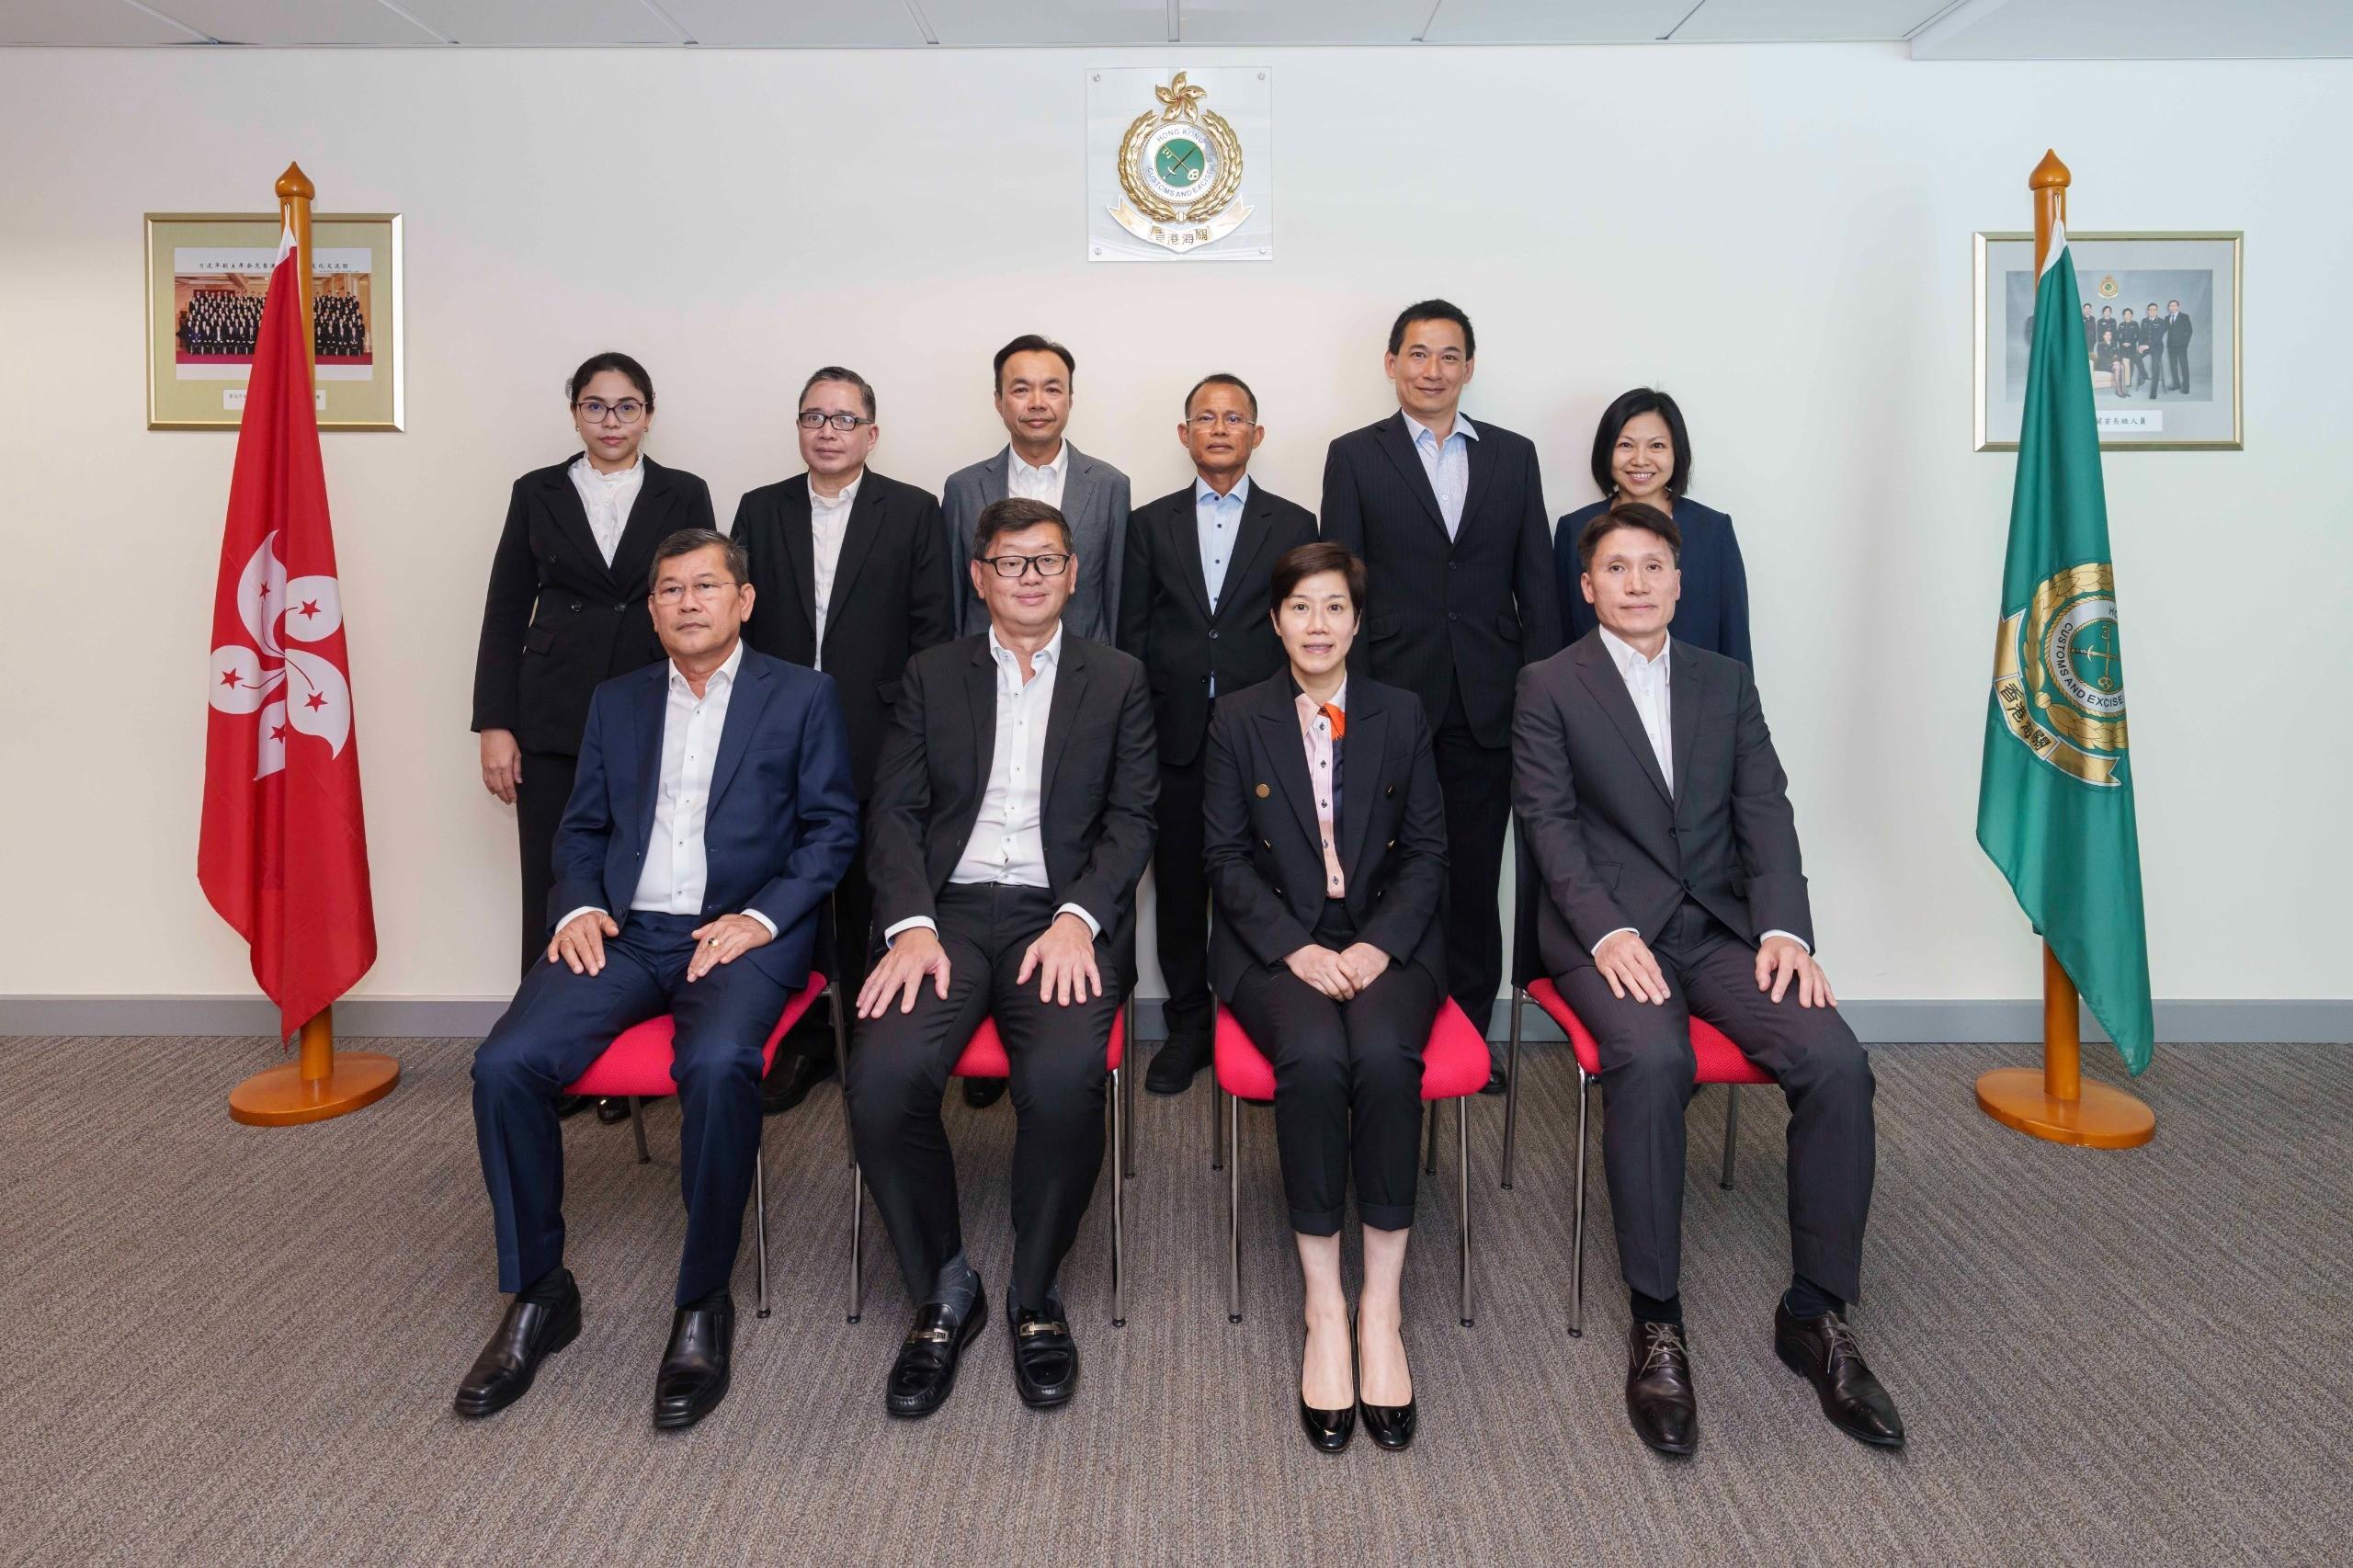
1823 1350
1497 1082
1659 1398
612 1112
1174 1065
982 1093
924 1373
529 1334
693 1377
791 1077
1045 1360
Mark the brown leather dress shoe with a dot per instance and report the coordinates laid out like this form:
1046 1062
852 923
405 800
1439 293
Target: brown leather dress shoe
1659 1397
1824 1352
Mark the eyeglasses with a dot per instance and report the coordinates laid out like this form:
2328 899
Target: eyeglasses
811 418
629 410
671 594
1013 565
1230 419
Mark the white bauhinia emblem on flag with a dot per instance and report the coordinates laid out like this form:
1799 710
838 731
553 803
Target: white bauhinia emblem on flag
290 687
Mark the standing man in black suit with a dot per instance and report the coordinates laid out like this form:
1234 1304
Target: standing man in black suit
1671 884
1193 608
2178 334
852 573
1011 821
2091 330
1449 519
2153 349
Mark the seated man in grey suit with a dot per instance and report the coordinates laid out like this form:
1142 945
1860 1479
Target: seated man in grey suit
1659 818
1033 392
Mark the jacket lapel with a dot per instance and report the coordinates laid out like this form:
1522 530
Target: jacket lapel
995 479
1608 688
652 709
1390 437
857 540
649 525
1287 756
1686 695
1360 775
1257 524
1078 485
563 501
1482 460
798 527
745 705
1070 685
1183 522
980 711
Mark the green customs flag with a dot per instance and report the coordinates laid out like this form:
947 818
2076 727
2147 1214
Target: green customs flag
2054 801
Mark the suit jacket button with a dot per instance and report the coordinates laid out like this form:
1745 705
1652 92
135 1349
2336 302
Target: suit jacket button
1451 616
1265 844
1390 844
622 605
1278 892
1263 794
1393 790
1212 633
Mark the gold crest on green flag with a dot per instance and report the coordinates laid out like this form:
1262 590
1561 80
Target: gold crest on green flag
2054 800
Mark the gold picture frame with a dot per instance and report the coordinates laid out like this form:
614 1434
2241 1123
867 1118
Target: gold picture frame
2193 267
207 274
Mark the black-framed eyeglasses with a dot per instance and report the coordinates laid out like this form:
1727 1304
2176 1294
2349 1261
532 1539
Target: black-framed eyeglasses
813 418
629 410
1051 566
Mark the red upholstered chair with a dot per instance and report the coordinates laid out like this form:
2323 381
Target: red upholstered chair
1454 1067
636 1066
1718 1060
984 1057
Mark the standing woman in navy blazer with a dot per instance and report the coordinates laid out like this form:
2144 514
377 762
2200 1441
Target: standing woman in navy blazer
1326 843
1643 454
567 606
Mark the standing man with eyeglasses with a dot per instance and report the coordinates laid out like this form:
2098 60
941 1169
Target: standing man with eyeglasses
852 571
1193 608
1031 387
566 609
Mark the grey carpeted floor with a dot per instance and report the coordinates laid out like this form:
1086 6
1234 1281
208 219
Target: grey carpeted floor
237 1346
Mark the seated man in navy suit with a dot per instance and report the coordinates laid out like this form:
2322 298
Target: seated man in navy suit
711 818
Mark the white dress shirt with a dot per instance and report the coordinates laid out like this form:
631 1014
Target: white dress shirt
1447 462
1008 848
677 875
608 497
1043 483
828 525
1647 683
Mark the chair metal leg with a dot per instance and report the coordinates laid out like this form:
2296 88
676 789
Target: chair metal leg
1232 1122
637 1126
1217 1124
856 1241
1731 1130
1128 1096
843 1002
1511 1084
760 1216
1462 1194
1119 1209
1429 1116
1577 1248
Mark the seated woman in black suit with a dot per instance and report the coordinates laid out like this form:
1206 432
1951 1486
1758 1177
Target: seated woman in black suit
1327 857
1641 453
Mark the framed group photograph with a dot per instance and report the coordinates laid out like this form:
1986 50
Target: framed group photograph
2160 315
207 274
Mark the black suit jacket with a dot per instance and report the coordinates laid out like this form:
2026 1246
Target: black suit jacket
558 620
892 596
777 829
1612 846
1470 610
1264 846
2178 333
1101 781
1165 617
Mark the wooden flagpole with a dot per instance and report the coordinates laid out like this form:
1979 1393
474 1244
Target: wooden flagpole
318 1084
2055 1103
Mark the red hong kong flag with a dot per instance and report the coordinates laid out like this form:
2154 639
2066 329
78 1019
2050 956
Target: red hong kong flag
284 851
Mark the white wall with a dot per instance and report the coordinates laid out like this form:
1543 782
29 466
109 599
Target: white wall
1780 235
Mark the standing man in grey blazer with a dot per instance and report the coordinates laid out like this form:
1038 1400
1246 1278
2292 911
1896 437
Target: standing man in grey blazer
1032 384
1033 378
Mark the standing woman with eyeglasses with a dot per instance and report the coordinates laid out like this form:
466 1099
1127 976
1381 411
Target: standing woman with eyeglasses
567 606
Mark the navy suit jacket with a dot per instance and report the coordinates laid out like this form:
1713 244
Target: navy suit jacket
779 828
1713 613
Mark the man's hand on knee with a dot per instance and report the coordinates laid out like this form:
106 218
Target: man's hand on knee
724 940
580 942
1063 959
1782 959
1626 962
914 952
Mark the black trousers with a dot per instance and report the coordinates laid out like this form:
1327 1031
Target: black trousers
1347 1084
2152 370
539 810
1476 782
898 1070
1646 1068
2177 358
560 1022
1182 901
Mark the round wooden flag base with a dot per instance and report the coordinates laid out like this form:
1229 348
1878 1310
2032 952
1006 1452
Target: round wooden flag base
281 1096
2102 1118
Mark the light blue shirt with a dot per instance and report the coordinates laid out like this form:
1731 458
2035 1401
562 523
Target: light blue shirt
1448 463
1218 519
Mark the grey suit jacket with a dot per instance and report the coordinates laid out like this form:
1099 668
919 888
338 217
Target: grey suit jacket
1613 845
1094 503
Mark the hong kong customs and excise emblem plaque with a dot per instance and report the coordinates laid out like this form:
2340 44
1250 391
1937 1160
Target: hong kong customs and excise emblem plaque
1179 166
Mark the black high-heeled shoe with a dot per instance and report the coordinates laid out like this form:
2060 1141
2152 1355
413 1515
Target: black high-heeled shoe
1330 1430
1390 1426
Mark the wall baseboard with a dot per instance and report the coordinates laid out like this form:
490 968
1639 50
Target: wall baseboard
2319 1021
